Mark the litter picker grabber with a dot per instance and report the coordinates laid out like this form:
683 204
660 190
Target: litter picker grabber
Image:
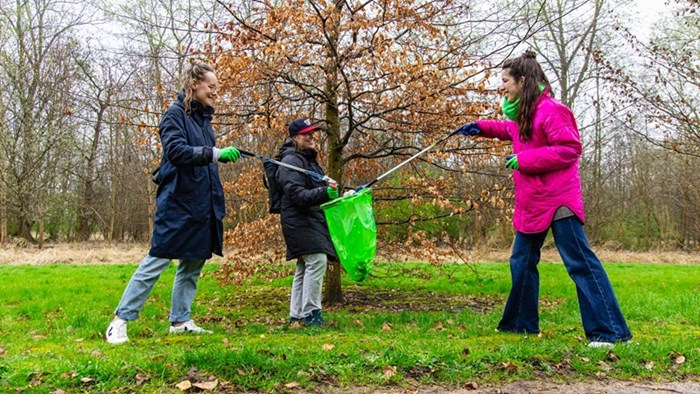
384 175
314 175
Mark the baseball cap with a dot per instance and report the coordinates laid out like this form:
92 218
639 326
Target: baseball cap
301 126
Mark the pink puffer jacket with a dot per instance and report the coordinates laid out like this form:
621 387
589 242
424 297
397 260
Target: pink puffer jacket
548 177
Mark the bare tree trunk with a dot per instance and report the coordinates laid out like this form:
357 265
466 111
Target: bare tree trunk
3 213
87 204
333 290
42 215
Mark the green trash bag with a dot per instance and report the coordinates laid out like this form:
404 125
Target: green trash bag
353 231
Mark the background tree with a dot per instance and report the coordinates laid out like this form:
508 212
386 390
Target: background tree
37 67
383 78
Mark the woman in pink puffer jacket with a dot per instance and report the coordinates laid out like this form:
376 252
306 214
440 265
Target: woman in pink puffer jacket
546 147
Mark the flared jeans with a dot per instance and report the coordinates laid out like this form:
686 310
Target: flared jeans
600 312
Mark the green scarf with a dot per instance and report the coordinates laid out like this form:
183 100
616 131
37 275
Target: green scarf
510 108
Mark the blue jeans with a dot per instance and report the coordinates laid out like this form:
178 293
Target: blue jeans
600 312
146 276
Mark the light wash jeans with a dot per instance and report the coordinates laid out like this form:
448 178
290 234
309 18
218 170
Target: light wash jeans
600 312
307 285
146 276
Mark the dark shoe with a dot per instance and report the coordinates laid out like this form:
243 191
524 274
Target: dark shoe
314 319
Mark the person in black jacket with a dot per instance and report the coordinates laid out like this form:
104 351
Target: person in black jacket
303 223
189 205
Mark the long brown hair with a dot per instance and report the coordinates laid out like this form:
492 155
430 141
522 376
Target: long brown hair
192 74
527 66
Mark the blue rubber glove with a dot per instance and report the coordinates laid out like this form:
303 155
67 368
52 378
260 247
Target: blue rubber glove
469 129
332 192
229 154
512 162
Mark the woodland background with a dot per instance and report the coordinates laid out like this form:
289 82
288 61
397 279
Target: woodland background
83 84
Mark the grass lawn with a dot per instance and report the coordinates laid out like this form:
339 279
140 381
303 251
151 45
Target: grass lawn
409 324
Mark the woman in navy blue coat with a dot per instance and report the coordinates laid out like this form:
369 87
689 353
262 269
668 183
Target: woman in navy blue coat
189 205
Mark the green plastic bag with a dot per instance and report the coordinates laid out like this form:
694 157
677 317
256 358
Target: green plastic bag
353 231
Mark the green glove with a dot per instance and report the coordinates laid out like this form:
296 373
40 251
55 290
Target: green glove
332 192
229 154
512 162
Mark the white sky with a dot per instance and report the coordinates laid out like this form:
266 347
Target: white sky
648 12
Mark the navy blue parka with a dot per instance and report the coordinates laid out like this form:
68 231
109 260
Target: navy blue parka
303 222
190 199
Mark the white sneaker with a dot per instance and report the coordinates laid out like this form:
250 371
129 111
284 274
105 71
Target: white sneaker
189 326
599 344
116 332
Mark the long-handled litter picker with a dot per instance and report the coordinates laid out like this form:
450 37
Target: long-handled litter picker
384 175
314 175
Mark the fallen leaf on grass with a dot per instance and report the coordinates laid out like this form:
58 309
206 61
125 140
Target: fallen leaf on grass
292 385
677 358
613 357
649 365
59 391
389 371
87 380
471 386
386 326
209 386
438 327
141 379
328 346
2 351
184 385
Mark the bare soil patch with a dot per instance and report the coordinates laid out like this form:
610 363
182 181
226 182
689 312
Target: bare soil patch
541 387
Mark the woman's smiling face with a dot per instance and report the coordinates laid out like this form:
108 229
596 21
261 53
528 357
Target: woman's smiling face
511 88
204 91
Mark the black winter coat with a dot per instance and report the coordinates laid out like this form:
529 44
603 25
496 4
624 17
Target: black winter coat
303 223
190 199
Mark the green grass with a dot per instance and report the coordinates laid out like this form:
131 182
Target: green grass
408 324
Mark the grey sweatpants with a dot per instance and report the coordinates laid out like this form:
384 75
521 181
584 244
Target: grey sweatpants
307 285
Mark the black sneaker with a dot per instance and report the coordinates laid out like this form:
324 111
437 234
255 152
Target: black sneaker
314 319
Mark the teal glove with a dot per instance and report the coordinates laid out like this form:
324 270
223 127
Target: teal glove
229 154
512 162
332 192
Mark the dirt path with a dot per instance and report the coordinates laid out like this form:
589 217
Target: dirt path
102 253
594 387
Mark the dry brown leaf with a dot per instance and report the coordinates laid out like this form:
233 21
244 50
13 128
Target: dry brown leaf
386 326
87 380
209 386
471 386
389 371
2 351
184 385
292 385
141 379
58 391
328 346
649 365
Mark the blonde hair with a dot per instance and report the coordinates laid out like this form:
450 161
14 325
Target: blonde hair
194 73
